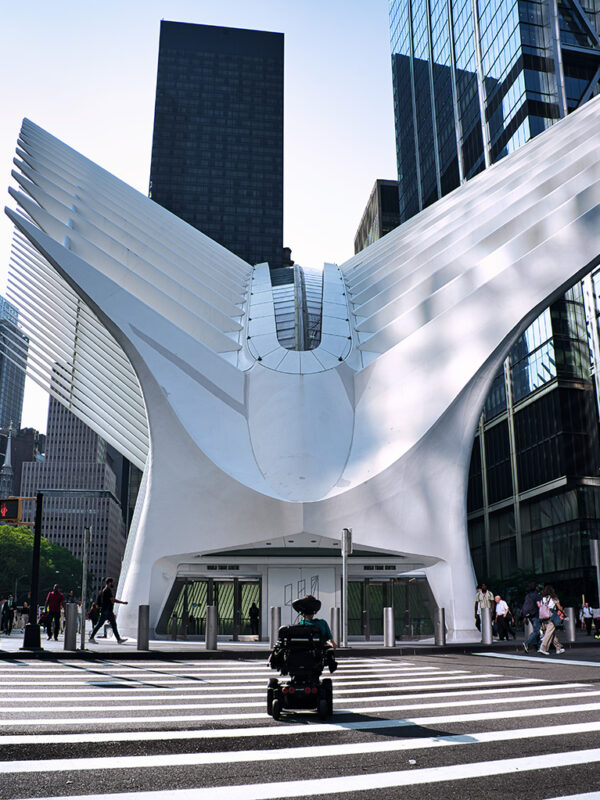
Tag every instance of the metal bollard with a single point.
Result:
(570, 624)
(486, 625)
(143, 633)
(71, 626)
(439, 626)
(335, 623)
(364, 625)
(389, 634)
(275, 625)
(211, 627)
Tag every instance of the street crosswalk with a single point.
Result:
(164, 730)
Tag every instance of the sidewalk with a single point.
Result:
(108, 649)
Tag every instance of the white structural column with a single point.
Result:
(257, 446)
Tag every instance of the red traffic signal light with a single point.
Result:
(10, 509)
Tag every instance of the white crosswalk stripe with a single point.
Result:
(69, 723)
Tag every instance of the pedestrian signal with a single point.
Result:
(11, 509)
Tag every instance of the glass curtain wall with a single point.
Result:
(470, 88)
(534, 478)
(474, 80)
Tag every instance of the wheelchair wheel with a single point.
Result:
(323, 709)
(276, 709)
(328, 686)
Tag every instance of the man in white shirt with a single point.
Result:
(501, 617)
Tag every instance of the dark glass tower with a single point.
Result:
(217, 150)
(14, 346)
(470, 88)
(473, 81)
(380, 216)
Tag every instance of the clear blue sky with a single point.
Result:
(87, 73)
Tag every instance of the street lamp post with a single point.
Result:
(595, 554)
(31, 636)
(346, 550)
(31, 639)
(87, 533)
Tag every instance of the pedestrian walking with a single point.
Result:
(501, 617)
(587, 617)
(8, 615)
(107, 613)
(531, 612)
(55, 601)
(551, 616)
(596, 613)
(25, 613)
(483, 599)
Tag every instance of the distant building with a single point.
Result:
(27, 445)
(129, 478)
(217, 149)
(13, 360)
(381, 215)
(76, 459)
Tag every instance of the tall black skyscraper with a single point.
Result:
(217, 151)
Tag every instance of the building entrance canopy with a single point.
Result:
(166, 344)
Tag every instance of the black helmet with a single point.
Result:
(306, 605)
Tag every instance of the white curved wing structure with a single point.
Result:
(165, 343)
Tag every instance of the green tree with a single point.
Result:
(57, 564)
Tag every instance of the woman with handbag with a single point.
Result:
(551, 617)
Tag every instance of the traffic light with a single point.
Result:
(11, 509)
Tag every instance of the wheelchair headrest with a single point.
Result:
(300, 633)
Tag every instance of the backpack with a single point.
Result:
(99, 598)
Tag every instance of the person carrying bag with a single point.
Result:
(552, 617)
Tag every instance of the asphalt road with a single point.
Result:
(447, 726)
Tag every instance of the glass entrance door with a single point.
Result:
(185, 611)
(410, 598)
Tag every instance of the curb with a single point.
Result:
(123, 654)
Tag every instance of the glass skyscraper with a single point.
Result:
(380, 216)
(476, 79)
(473, 81)
(217, 149)
(14, 346)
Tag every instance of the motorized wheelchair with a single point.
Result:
(301, 653)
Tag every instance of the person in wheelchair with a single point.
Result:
(302, 651)
(307, 607)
